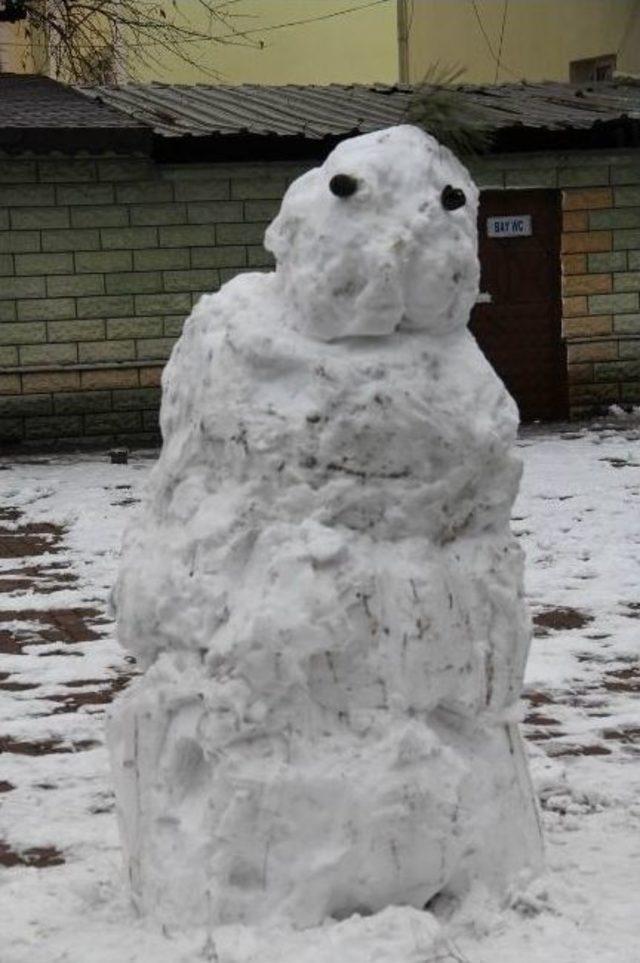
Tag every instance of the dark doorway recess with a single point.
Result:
(519, 329)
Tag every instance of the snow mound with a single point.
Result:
(322, 584)
(395, 934)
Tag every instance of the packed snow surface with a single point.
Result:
(322, 585)
(578, 520)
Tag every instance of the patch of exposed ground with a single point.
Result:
(623, 680)
(72, 701)
(8, 686)
(560, 618)
(43, 747)
(38, 857)
(628, 737)
(566, 749)
(593, 700)
(538, 719)
(44, 626)
(620, 462)
(33, 538)
(10, 514)
(58, 632)
(41, 579)
(538, 698)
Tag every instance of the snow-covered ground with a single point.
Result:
(61, 888)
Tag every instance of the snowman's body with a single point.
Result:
(322, 583)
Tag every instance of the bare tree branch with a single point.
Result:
(91, 41)
(105, 41)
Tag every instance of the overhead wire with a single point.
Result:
(482, 30)
(295, 23)
(504, 23)
(489, 44)
(224, 37)
(625, 32)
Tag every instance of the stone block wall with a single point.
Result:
(101, 260)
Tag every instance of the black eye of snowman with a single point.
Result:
(452, 198)
(343, 185)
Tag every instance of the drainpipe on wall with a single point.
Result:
(403, 41)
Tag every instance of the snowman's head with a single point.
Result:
(382, 236)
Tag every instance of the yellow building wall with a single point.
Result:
(359, 46)
(14, 50)
(20, 54)
(327, 41)
(358, 41)
(540, 37)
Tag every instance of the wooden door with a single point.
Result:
(519, 328)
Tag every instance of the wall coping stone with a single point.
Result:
(91, 366)
(611, 336)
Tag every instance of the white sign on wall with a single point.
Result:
(511, 225)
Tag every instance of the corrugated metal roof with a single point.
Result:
(312, 112)
(174, 110)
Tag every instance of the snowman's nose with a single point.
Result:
(343, 185)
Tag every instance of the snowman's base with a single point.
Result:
(398, 934)
(386, 811)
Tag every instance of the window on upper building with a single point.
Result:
(593, 69)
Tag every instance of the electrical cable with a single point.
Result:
(489, 44)
(625, 32)
(221, 38)
(504, 23)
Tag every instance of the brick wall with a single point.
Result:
(601, 291)
(101, 259)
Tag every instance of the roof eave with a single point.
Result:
(71, 140)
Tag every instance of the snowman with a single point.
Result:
(321, 587)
